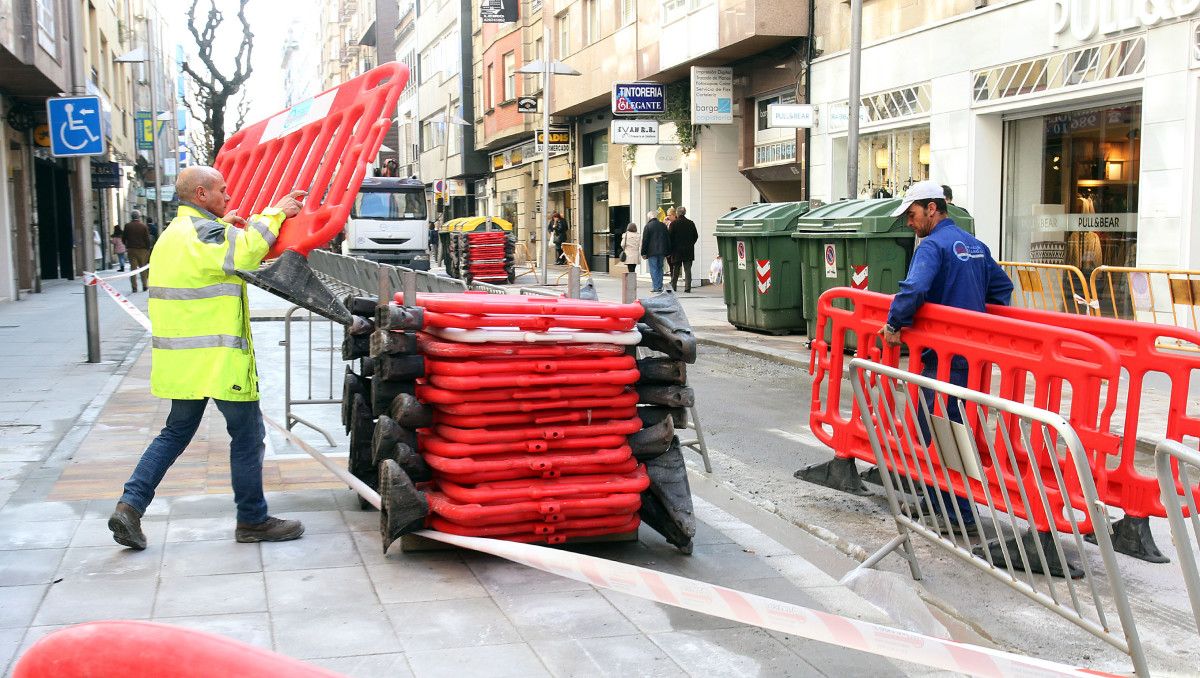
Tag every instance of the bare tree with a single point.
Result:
(211, 90)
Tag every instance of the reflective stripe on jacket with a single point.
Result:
(199, 311)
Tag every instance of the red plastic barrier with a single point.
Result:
(539, 532)
(1053, 356)
(439, 396)
(487, 236)
(475, 303)
(546, 511)
(432, 346)
(440, 446)
(625, 400)
(464, 368)
(548, 465)
(322, 145)
(550, 488)
(505, 434)
(526, 473)
(614, 377)
(562, 416)
(119, 649)
(1137, 345)
(534, 323)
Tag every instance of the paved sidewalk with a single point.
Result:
(332, 597)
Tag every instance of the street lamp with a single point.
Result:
(447, 119)
(135, 56)
(546, 68)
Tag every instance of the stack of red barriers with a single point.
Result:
(486, 256)
(533, 401)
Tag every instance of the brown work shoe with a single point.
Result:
(271, 529)
(126, 525)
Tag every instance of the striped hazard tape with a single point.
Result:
(90, 278)
(746, 608)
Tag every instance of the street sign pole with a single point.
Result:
(543, 235)
(154, 127)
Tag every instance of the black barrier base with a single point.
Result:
(291, 278)
(872, 476)
(1028, 540)
(837, 473)
(402, 507)
(667, 503)
(1132, 537)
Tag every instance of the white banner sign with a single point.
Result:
(633, 131)
(790, 115)
(712, 95)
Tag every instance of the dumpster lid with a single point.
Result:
(771, 217)
(868, 216)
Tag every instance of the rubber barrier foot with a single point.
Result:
(291, 278)
(402, 507)
(837, 473)
(366, 367)
(872, 476)
(667, 503)
(662, 371)
(670, 332)
(397, 317)
(652, 441)
(384, 342)
(413, 464)
(362, 430)
(383, 392)
(352, 385)
(387, 435)
(410, 412)
(1029, 540)
(652, 414)
(356, 346)
(1132, 537)
(361, 306)
(667, 396)
(400, 367)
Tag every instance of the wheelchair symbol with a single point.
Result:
(76, 125)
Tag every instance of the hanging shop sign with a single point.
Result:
(106, 174)
(639, 98)
(527, 105)
(497, 11)
(633, 131)
(712, 95)
(560, 140)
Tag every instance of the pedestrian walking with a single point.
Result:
(117, 242)
(202, 349)
(683, 249)
(656, 244)
(557, 229)
(670, 217)
(138, 244)
(631, 247)
(950, 267)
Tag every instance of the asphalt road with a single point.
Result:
(754, 415)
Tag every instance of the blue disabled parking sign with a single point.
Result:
(75, 126)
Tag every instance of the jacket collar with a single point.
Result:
(203, 212)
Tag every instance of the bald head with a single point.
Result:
(202, 186)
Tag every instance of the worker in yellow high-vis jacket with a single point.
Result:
(200, 320)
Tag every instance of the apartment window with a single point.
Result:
(535, 81)
(489, 87)
(433, 132)
(591, 21)
(47, 32)
(563, 23)
(628, 12)
(429, 63)
(510, 76)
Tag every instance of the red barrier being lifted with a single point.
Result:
(323, 145)
(533, 323)
(1053, 358)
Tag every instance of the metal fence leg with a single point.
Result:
(628, 287)
(573, 282)
(697, 444)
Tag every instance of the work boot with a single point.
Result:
(271, 529)
(126, 525)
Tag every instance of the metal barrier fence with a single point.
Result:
(315, 392)
(1153, 295)
(1048, 287)
(1181, 504)
(920, 445)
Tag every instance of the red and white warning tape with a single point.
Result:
(90, 278)
(746, 608)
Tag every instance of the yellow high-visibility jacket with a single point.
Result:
(199, 312)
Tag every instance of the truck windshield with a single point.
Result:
(392, 206)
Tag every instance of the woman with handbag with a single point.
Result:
(631, 246)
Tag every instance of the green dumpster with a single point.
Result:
(856, 243)
(762, 266)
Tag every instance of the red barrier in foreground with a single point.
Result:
(120, 649)
(1048, 358)
(322, 145)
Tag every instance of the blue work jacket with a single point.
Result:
(950, 267)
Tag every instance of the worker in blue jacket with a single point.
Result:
(949, 267)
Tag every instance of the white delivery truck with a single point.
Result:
(389, 223)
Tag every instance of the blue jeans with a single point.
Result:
(244, 422)
(656, 273)
(958, 377)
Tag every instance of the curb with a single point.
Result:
(771, 355)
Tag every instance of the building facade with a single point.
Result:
(1072, 141)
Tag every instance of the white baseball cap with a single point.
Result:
(922, 190)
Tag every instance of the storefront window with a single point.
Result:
(890, 162)
(664, 191)
(1071, 189)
